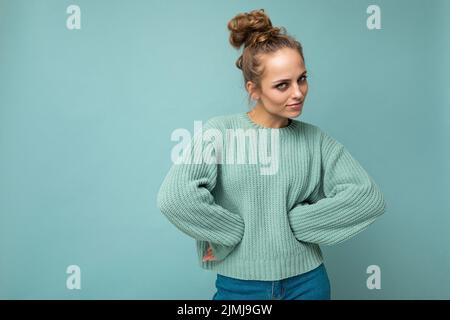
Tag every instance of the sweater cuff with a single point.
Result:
(220, 252)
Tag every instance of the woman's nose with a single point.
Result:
(297, 93)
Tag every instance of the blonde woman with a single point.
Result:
(261, 230)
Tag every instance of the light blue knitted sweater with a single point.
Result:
(266, 219)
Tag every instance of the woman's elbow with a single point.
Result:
(379, 201)
(166, 203)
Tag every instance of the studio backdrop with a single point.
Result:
(91, 92)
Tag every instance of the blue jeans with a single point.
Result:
(312, 285)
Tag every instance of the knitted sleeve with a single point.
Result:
(185, 199)
(344, 203)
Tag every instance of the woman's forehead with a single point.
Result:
(284, 67)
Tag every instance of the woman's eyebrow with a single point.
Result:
(304, 72)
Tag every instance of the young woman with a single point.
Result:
(260, 225)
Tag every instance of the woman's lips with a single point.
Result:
(296, 106)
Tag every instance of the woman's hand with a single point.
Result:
(209, 254)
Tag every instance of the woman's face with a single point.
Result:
(283, 84)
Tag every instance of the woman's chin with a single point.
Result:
(294, 114)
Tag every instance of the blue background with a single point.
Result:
(86, 117)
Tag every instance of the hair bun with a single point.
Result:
(262, 36)
(249, 28)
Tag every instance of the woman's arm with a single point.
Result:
(348, 199)
(185, 199)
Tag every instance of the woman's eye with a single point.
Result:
(282, 85)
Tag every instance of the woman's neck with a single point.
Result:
(260, 116)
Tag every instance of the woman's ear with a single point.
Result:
(251, 89)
